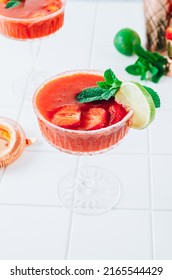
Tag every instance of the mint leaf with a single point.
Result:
(109, 76)
(160, 58)
(95, 94)
(154, 96)
(134, 69)
(153, 69)
(90, 94)
(105, 90)
(152, 65)
(103, 85)
(12, 4)
(117, 83)
(143, 74)
(109, 93)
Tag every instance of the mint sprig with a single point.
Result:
(13, 3)
(108, 88)
(155, 96)
(90, 94)
(104, 90)
(149, 66)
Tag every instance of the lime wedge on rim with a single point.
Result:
(134, 96)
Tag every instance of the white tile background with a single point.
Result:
(33, 222)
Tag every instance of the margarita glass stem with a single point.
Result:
(35, 46)
(26, 85)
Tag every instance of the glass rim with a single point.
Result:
(42, 18)
(90, 132)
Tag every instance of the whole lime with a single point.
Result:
(125, 40)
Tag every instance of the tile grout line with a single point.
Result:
(6, 204)
(93, 35)
(151, 195)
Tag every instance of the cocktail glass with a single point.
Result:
(90, 189)
(33, 30)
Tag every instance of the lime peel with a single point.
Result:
(125, 40)
(135, 96)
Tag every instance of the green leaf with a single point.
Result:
(117, 83)
(153, 69)
(12, 4)
(105, 90)
(158, 76)
(103, 85)
(160, 58)
(154, 96)
(109, 76)
(152, 65)
(90, 94)
(134, 69)
(109, 93)
(144, 74)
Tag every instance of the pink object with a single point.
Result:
(12, 141)
(24, 22)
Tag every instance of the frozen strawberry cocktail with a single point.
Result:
(87, 112)
(28, 19)
(79, 127)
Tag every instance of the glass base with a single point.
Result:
(90, 191)
(26, 85)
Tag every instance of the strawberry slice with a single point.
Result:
(52, 8)
(67, 116)
(168, 33)
(117, 113)
(94, 118)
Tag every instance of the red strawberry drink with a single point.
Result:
(76, 127)
(29, 19)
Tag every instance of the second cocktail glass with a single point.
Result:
(31, 21)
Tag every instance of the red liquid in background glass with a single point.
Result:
(29, 19)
